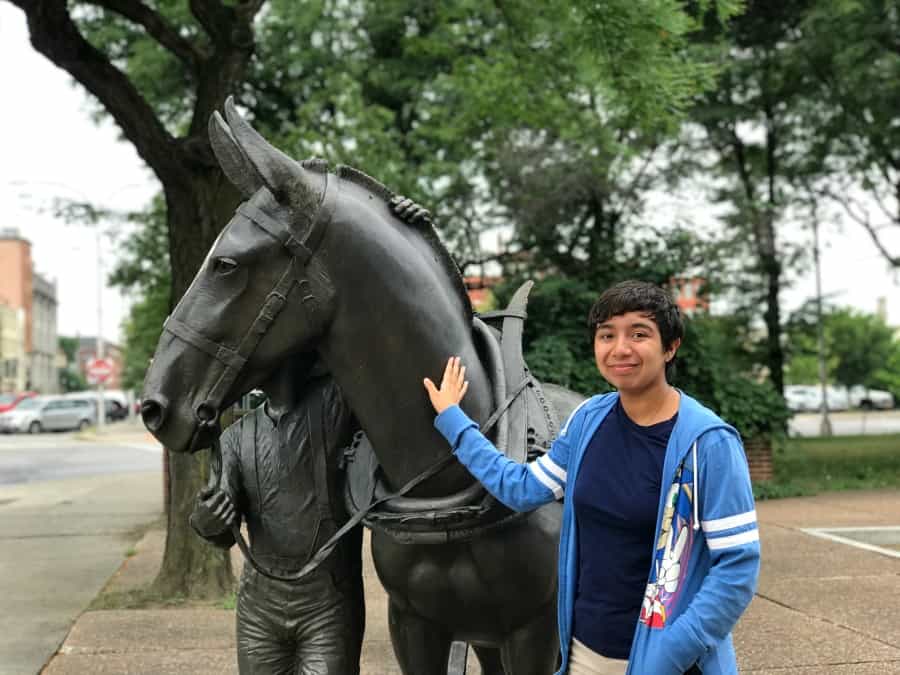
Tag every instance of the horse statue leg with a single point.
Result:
(421, 647)
(533, 649)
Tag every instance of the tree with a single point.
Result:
(569, 168)
(888, 375)
(853, 53)
(754, 137)
(70, 378)
(717, 369)
(143, 269)
(861, 344)
(860, 348)
(412, 83)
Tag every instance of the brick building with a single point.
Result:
(42, 358)
(480, 293)
(33, 299)
(13, 361)
(690, 294)
(15, 276)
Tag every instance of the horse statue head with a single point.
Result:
(314, 261)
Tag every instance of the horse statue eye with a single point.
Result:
(224, 265)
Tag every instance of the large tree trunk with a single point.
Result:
(191, 567)
(772, 317)
(198, 206)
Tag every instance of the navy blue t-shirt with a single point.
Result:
(616, 499)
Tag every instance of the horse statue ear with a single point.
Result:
(234, 162)
(277, 171)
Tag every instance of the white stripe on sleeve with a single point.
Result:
(718, 543)
(565, 428)
(731, 521)
(546, 480)
(552, 467)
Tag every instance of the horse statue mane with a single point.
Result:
(421, 222)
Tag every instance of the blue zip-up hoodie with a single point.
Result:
(705, 560)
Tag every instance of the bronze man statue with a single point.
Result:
(280, 472)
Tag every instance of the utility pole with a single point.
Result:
(101, 404)
(825, 425)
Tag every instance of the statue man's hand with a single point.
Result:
(453, 386)
(214, 513)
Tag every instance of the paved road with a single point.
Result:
(51, 456)
(848, 423)
(68, 512)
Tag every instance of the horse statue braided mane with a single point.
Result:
(424, 225)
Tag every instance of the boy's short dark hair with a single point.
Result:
(644, 297)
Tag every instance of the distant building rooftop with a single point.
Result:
(11, 233)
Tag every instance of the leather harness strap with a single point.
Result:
(219, 352)
(276, 230)
(301, 252)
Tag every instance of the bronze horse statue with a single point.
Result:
(333, 262)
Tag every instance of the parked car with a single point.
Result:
(115, 411)
(116, 408)
(10, 401)
(801, 398)
(869, 399)
(48, 413)
(808, 398)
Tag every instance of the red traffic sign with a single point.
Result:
(98, 370)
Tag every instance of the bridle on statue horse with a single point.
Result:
(207, 412)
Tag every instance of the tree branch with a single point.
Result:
(218, 19)
(231, 30)
(863, 220)
(213, 16)
(501, 258)
(55, 35)
(157, 28)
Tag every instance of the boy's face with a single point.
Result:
(629, 352)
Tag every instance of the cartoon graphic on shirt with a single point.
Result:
(673, 550)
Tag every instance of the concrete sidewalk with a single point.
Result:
(823, 606)
(127, 431)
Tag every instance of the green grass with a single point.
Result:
(807, 466)
(134, 598)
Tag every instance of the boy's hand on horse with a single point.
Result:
(453, 386)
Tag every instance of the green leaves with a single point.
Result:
(860, 349)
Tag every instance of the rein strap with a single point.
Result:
(323, 553)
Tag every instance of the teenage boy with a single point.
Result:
(659, 547)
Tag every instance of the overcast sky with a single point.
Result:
(51, 148)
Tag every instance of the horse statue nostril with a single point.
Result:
(153, 412)
(207, 414)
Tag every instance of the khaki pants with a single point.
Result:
(585, 661)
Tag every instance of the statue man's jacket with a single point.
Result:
(705, 561)
(283, 476)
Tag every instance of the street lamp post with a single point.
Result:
(825, 425)
(101, 405)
